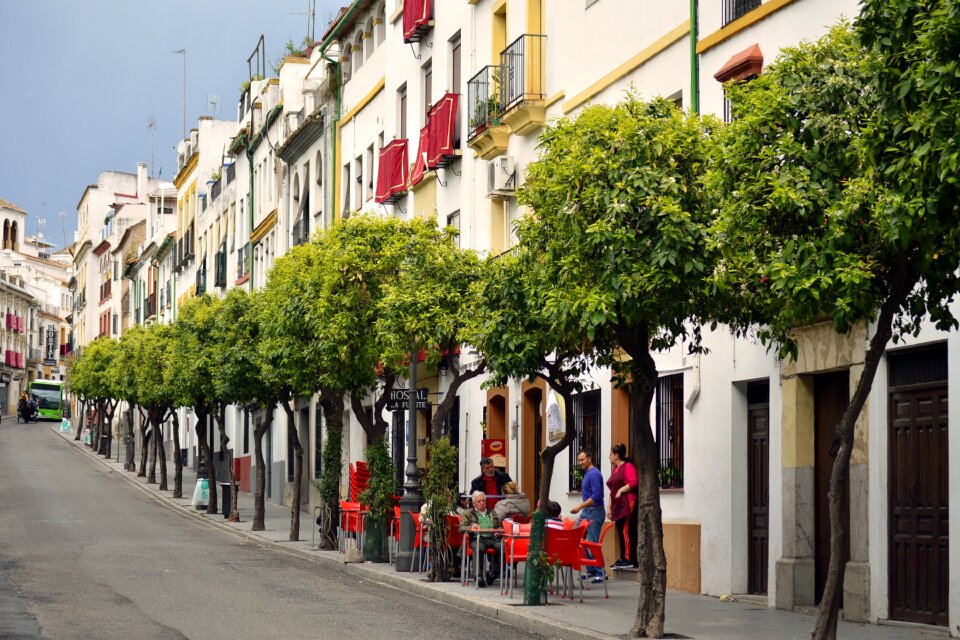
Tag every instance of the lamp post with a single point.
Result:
(412, 499)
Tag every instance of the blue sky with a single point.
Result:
(81, 80)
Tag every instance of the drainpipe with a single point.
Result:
(694, 59)
(249, 154)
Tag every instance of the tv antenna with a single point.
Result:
(41, 225)
(213, 104)
(311, 15)
(152, 128)
(63, 227)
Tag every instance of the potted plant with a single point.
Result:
(378, 499)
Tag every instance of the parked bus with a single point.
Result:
(49, 395)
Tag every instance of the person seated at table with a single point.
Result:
(490, 481)
(553, 513)
(480, 518)
(513, 503)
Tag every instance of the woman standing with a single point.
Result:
(623, 500)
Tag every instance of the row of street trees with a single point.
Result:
(831, 195)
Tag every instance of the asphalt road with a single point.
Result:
(85, 555)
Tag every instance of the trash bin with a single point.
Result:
(225, 498)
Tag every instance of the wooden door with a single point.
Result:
(758, 487)
(919, 562)
(831, 395)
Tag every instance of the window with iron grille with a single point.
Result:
(451, 429)
(586, 421)
(318, 441)
(733, 9)
(670, 430)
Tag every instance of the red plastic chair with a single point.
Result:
(596, 548)
(420, 546)
(394, 533)
(563, 546)
(516, 544)
(351, 521)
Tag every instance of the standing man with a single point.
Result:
(591, 508)
(490, 481)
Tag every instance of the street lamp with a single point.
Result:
(412, 499)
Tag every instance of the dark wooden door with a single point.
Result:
(831, 394)
(537, 448)
(758, 487)
(919, 562)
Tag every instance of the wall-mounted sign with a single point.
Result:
(496, 450)
(555, 423)
(399, 399)
(50, 352)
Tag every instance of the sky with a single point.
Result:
(82, 81)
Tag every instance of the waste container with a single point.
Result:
(225, 498)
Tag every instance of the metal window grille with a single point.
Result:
(670, 430)
(733, 9)
(586, 420)
(451, 429)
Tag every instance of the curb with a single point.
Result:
(513, 616)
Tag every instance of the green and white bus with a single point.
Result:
(49, 395)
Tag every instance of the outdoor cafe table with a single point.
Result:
(476, 550)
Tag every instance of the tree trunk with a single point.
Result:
(332, 404)
(442, 410)
(161, 452)
(201, 430)
(828, 610)
(294, 437)
(144, 447)
(259, 493)
(129, 464)
(533, 584)
(152, 473)
(177, 457)
(221, 419)
(111, 412)
(80, 420)
(652, 575)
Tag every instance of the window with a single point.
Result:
(586, 421)
(427, 89)
(453, 220)
(670, 430)
(455, 80)
(357, 51)
(369, 172)
(246, 431)
(358, 187)
(402, 111)
(727, 108)
(380, 25)
(346, 187)
(369, 43)
(318, 441)
(733, 9)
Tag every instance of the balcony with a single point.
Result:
(487, 134)
(202, 278)
(168, 298)
(231, 173)
(150, 307)
(522, 84)
(216, 189)
(301, 231)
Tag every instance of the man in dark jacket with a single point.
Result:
(490, 481)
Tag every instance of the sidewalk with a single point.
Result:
(688, 615)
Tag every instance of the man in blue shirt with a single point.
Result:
(591, 509)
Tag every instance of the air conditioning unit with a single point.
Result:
(502, 178)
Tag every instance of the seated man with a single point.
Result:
(482, 518)
(490, 481)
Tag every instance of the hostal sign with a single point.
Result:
(50, 351)
(399, 399)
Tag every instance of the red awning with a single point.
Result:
(745, 64)
(441, 123)
(392, 176)
(420, 166)
(416, 19)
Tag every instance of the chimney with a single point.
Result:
(141, 182)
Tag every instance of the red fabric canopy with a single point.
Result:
(441, 123)
(416, 18)
(420, 166)
(392, 176)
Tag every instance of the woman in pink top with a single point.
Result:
(623, 500)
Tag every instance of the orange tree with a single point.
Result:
(619, 223)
